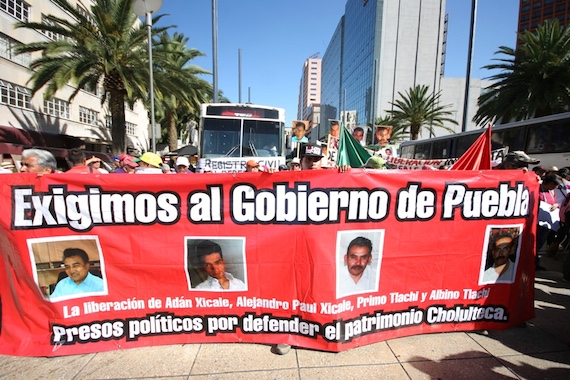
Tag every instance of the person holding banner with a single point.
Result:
(38, 161)
(210, 257)
(79, 279)
(359, 276)
(310, 156)
(503, 268)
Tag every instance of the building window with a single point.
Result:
(58, 108)
(16, 8)
(131, 128)
(83, 12)
(48, 33)
(7, 46)
(15, 95)
(88, 116)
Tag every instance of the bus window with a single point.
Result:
(441, 149)
(221, 138)
(548, 138)
(261, 138)
(463, 143)
(407, 151)
(423, 151)
(511, 138)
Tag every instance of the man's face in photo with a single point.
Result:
(383, 135)
(357, 259)
(76, 269)
(502, 250)
(359, 135)
(214, 265)
(299, 131)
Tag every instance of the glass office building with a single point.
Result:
(380, 48)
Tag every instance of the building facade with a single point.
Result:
(379, 49)
(83, 118)
(533, 13)
(309, 87)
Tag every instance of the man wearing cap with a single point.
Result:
(503, 268)
(252, 166)
(149, 163)
(517, 160)
(125, 164)
(295, 164)
(310, 157)
(182, 165)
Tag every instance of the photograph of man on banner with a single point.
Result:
(501, 254)
(68, 267)
(359, 255)
(216, 263)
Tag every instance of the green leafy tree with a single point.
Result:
(419, 108)
(180, 106)
(533, 81)
(103, 45)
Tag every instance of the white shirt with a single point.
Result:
(491, 275)
(213, 284)
(368, 281)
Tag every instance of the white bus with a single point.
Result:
(231, 134)
(545, 138)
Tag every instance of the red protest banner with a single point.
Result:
(322, 260)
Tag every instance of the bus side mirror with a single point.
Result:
(288, 142)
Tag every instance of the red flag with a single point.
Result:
(478, 156)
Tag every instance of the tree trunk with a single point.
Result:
(118, 129)
(172, 132)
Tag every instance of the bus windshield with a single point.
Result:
(224, 138)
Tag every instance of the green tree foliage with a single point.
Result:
(176, 110)
(419, 108)
(533, 81)
(102, 46)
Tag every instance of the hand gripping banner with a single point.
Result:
(321, 260)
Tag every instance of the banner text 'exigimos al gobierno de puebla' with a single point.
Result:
(322, 260)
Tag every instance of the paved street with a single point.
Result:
(541, 350)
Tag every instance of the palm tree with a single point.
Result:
(103, 46)
(419, 108)
(177, 108)
(533, 81)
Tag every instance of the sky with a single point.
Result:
(276, 37)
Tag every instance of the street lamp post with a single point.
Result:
(215, 49)
(146, 8)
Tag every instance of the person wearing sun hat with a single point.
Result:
(149, 163)
(182, 165)
(252, 166)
